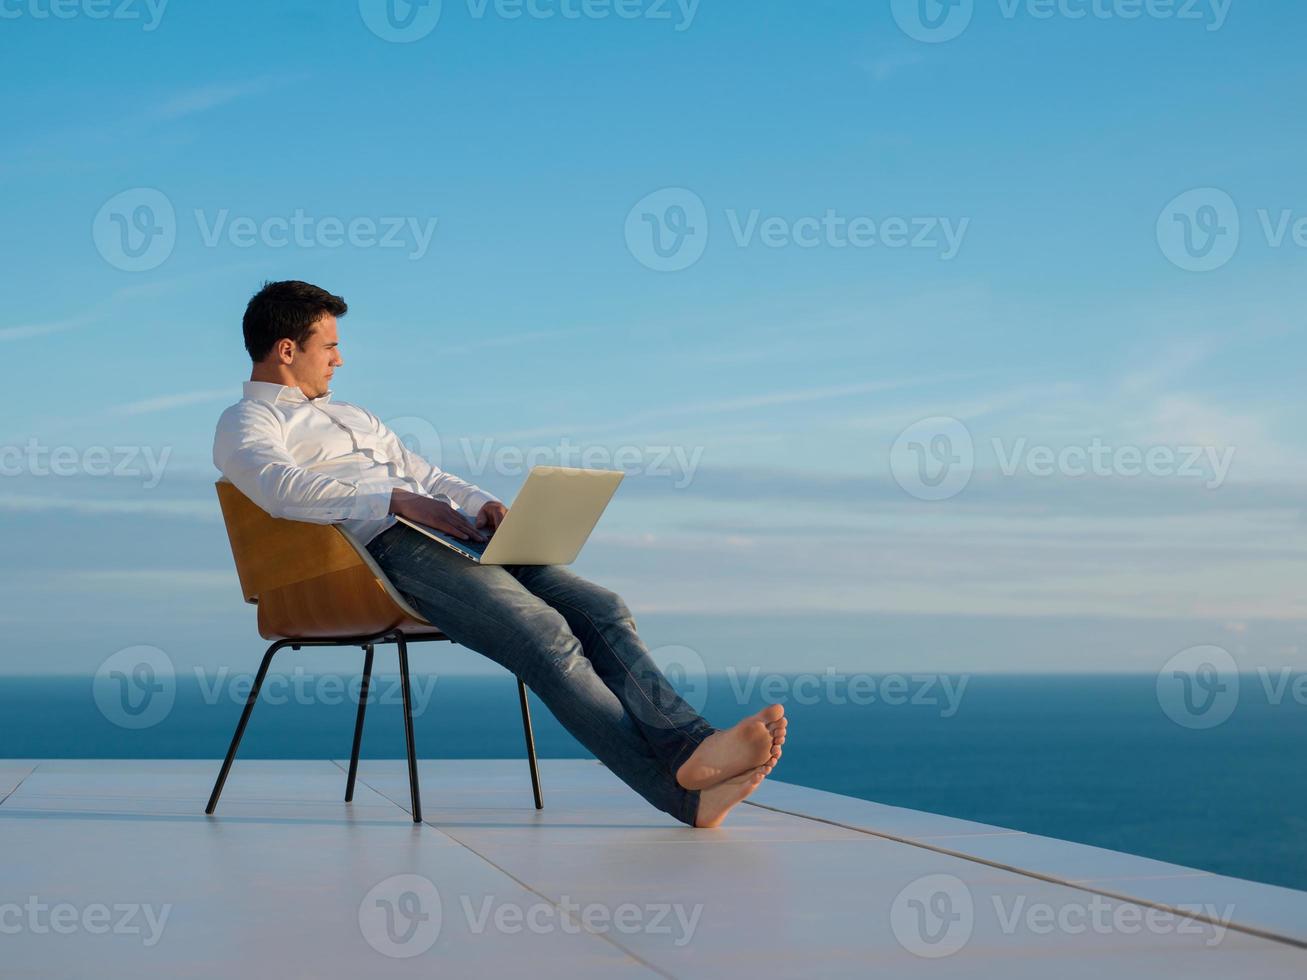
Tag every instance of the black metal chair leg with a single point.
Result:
(358, 724)
(530, 745)
(240, 726)
(408, 729)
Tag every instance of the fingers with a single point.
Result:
(464, 531)
(444, 518)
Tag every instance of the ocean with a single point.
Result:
(1088, 758)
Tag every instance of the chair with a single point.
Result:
(316, 586)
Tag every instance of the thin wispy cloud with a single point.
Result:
(215, 95)
(886, 66)
(511, 340)
(144, 505)
(744, 403)
(103, 132)
(25, 330)
(164, 403)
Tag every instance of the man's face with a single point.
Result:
(314, 365)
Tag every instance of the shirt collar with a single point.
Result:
(267, 391)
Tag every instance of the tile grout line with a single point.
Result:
(17, 786)
(1052, 879)
(534, 891)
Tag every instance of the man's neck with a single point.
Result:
(273, 374)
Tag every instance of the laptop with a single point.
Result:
(550, 519)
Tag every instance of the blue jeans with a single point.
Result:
(572, 642)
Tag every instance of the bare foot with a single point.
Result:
(718, 801)
(777, 729)
(735, 750)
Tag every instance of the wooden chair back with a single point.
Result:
(310, 581)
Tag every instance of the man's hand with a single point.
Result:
(491, 516)
(434, 514)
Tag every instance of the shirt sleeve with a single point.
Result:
(250, 450)
(469, 497)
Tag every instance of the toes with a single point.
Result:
(773, 712)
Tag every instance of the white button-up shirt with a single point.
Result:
(325, 462)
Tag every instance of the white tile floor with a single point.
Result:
(110, 868)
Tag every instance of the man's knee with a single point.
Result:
(612, 608)
(549, 647)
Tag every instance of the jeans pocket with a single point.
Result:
(379, 547)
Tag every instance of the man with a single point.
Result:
(300, 455)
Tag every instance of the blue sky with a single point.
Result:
(772, 397)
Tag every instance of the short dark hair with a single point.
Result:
(286, 309)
